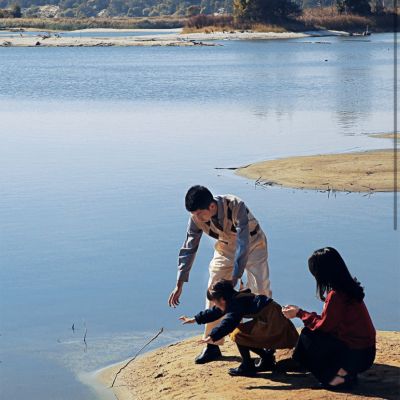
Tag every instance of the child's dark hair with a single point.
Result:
(331, 273)
(223, 289)
(198, 198)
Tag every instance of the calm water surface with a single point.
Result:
(99, 146)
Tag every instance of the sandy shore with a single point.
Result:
(165, 39)
(120, 41)
(169, 373)
(111, 30)
(369, 171)
(385, 135)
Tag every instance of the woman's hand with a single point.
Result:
(290, 311)
(187, 320)
(206, 340)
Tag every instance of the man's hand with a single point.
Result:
(206, 340)
(290, 311)
(187, 320)
(173, 300)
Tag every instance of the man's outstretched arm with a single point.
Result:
(186, 258)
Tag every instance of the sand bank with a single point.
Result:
(385, 135)
(369, 171)
(169, 373)
(166, 39)
(136, 30)
(62, 41)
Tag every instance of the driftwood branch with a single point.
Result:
(134, 357)
(84, 337)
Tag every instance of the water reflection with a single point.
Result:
(99, 147)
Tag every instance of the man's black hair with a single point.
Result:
(198, 198)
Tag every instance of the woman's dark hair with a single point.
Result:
(223, 289)
(331, 273)
(198, 198)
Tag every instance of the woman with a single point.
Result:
(340, 343)
(268, 329)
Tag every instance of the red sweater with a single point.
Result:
(348, 321)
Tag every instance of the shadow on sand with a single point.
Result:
(381, 381)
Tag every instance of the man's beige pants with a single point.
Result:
(257, 271)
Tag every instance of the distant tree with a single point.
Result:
(315, 3)
(378, 6)
(193, 10)
(265, 10)
(16, 11)
(117, 7)
(68, 13)
(341, 6)
(135, 12)
(357, 6)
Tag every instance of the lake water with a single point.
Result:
(98, 147)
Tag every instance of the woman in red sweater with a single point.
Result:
(340, 343)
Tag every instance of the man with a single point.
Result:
(240, 245)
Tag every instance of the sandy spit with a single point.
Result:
(369, 171)
(96, 30)
(53, 41)
(175, 38)
(386, 135)
(169, 373)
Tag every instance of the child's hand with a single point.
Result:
(187, 320)
(206, 340)
(290, 311)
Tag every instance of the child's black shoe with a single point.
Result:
(210, 353)
(289, 365)
(243, 370)
(266, 363)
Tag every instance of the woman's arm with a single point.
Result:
(330, 318)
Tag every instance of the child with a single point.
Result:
(268, 329)
(340, 342)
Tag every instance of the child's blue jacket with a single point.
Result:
(240, 306)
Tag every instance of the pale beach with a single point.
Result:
(170, 373)
(54, 39)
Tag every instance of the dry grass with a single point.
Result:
(329, 18)
(208, 29)
(311, 19)
(69, 24)
(236, 28)
(268, 28)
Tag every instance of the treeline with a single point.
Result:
(249, 10)
(114, 8)
(307, 20)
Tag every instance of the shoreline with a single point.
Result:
(368, 171)
(385, 135)
(17, 39)
(169, 372)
